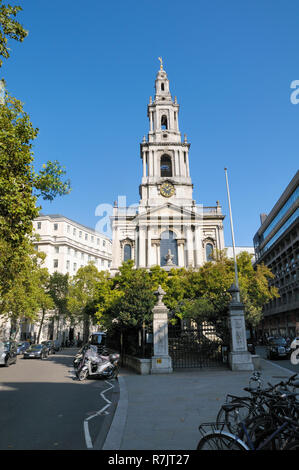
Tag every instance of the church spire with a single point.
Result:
(163, 111)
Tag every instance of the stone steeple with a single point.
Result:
(166, 174)
(163, 112)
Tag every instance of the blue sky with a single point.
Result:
(86, 72)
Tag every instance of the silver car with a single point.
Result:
(37, 351)
(8, 353)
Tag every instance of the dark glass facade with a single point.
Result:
(276, 245)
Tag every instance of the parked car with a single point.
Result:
(50, 345)
(39, 351)
(8, 352)
(278, 347)
(21, 347)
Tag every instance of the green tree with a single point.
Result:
(45, 300)
(20, 184)
(58, 289)
(82, 296)
(208, 294)
(26, 295)
(10, 28)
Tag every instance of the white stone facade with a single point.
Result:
(70, 245)
(167, 223)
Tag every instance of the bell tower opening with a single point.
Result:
(166, 166)
(164, 125)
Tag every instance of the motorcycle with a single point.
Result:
(78, 358)
(92, 364)
(80, 354)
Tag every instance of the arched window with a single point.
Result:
(168, 242)
(166, 166)
(164, 122)
(127, 252)
(162, 86)
(209, 252)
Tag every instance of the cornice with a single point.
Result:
(164, 144)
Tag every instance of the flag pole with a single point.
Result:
(233, 236)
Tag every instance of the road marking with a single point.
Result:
(101, 412)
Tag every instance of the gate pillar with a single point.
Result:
(239, 358)
(161, 361)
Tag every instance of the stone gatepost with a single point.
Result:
(161, 361)
(239, 358)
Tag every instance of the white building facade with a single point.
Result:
(69, 245)
(167, 228)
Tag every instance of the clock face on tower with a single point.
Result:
(167, 189)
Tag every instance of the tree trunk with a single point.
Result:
(40, 326)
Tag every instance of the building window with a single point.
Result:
(75, 266)
(39, 225)
(56, 249)
(168, 245)
(91, 238)
(80, 234)
(209, 252)
(166, 166)
(86, 236)
(162, 86)
(104, 243)
(68, 265)
(74, 231)
(55, 263)
(127, 252)
(68, 229)
(55, 226)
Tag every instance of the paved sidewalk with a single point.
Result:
(163, 412)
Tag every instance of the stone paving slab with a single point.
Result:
(164, 411)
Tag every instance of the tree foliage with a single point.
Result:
(10, 28)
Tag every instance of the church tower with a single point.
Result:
(166, 174)
(167, 228)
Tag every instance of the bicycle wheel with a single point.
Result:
(241, 411)
(259, 430)
(294, 445)
(221, 441)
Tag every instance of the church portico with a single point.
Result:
(167, 228)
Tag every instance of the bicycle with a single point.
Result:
(261, 401)
(218, 439)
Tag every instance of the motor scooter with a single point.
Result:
(99, 366)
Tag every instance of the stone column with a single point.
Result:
(239, 357)
(198, 246)
(142, 246)
(190, 252)
(176, 163)
(144, 163)
(161, 361)
(181, 256)
(155, 252)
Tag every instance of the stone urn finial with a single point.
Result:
(160, 294)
